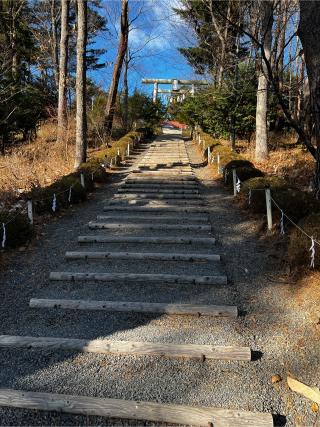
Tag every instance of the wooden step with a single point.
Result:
(140, 278)
(148, 240)
(161, 216)
(138, 307)
(136, 410)
(156, 190)
(163, 202)
(164, 174)
(153, 181)
(157, 195)
(148, 184)
(104, 346)
(158, 209)
(183, 227)
(155, 219)
(155, 256)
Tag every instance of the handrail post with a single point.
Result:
(269, 208)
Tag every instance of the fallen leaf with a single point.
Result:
(276, 379)
(314, 407)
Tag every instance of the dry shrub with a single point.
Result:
(294, 202)
(243, 173)
(18, 229)
(36, 164)
(257, 186)
(299, 245)
(119, 148)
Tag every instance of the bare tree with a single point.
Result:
(262, 91)
(122, 48)
(126, 90)
(54, 37)
(309, 33)
(63, 70)
(81, 114)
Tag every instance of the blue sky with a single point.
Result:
(155, 35)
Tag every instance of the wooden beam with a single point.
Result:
(157, 195)
(155, 256)
(156, 202)
(156, 190)
(104, 346)
(183, 227)
(187, 176)
(140, 278)
(158, 209)
(148, 240)
(138, 307)
(156, 181)
(156, 216)
(157, 186)
(136, 410)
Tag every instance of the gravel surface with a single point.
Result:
(272, 324)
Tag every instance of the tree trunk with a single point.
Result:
(262, 92)
(54, 35)
(125, 92)
(282, 23)
(122, 48)
(309, 33)
(63, 70)
(81, 114)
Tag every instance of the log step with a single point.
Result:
(149, 240)
(169, 182)
(147, 184)
(156, 195)
(156, 190)
(158, 202)
(184, 227)
(136, 410)
(140, 278)
(156, 256)
(139, 307)
(159, 209)
(155, 217)
(103, 346)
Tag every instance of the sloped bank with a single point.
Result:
(70, 189)
(300, 209)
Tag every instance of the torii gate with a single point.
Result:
(175, 85)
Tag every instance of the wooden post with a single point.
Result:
(269, 208)
(82, 180)
(234, 179)
(30, 211)
(128, 150)
(218, 163)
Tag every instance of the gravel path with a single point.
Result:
(272, 323)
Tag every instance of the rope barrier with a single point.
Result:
(54, 201)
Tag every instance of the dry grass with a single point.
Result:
(286, 160)
(36, 164)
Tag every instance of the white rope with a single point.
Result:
(249, 196)
(54, 203)
(70, 193)
(4, 235)
(313, 252)
(238, 185)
